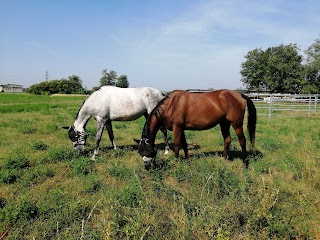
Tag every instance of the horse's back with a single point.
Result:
(122, 104)
(204, 110)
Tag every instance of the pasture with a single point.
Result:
(48, 191)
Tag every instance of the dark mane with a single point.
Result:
(156, 111)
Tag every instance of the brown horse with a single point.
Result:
(182, 110)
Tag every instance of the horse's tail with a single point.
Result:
(252, 119)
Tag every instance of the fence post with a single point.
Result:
(309, 106)
(270, 105)
(315, 103)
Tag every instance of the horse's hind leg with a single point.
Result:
(242, 141)
(165, 138)
(110, 133)
(176, 140)
(179, 138)
(225, 130)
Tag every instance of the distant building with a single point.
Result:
(13, 88)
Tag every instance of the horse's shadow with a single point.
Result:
(252, 155)
(132, 147)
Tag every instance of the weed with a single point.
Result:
(82, 166)
(25, 210)
(91, 183)
(17, 161)
(25, 129)
(8, 176)
(181, 173)
(120, 171)
(39, 145)
(130, 195)
(58, 154)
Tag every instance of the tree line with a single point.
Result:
(73, 84)
(279, 69)
(282, 69)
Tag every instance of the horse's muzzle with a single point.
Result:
(148, 161)
(78, 147)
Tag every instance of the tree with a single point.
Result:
(108, 78)
(75, 78)
(122, 81)
(103, 79)
(285, 69)
(312, 68)
(277, 69)
(253, 70)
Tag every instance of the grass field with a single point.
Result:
(47, 191)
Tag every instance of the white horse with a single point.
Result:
(109, 104)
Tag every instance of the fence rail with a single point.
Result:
(286, 104)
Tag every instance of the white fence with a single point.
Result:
(286, 104)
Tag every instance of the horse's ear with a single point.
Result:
(137, 140)
(66, 127)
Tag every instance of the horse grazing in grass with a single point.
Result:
(109, 104)
(182, 110)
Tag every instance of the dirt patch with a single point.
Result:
(67, 95)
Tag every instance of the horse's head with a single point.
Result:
(148, 152)
(78, 138)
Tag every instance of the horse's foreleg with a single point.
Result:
(98, 138)
(110, 133)
(165, 137)
(184, 145)
(225, 130)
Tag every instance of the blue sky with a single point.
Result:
(166, 44)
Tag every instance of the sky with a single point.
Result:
(165, 44)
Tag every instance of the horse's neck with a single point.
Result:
(151, 128)
(81, 120)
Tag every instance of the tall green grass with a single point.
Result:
(47, 191)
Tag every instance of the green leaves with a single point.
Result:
(111, 79)
(73, 85)
(277, 69)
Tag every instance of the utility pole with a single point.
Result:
(47, 76)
